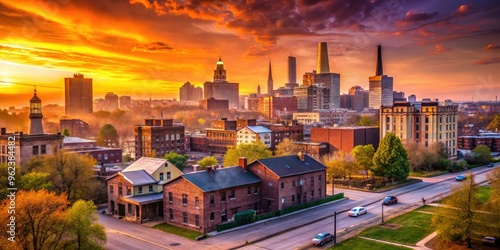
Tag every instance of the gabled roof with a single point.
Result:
(291, 165)
(150, 165)
(138, 177)
(221, 178)
(259, 129)
(144, 199)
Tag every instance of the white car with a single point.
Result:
(357, 211)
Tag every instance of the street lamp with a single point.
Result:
(382, 213)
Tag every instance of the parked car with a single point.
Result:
(490, 165)
(322, 238)
(389, 200)
(460, 177)
(490, 241)
(357, 211)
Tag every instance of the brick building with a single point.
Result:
(75, 127)
(161, 135)
(102, 155)
(136, 193)
(212, 104)
(200, 201)
(346, 138)
(273, 107)
(222, 134)
(290, 130)
(491, 140)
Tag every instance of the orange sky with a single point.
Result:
(142, 48)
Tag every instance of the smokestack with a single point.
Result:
(242, 162)
(380, 70)
(323, 64)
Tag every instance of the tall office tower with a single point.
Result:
(78, 95)
(220, 88)
(112, 100)
(292, 73)
(36, 127)
(159, 135)
(188, 92)
(314, 97)
(258, 89)
(125, 102)
(323, 64)
(270, 81)
(308, 78)
(332, 82)
(381, 93)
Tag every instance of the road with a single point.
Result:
(287, 232)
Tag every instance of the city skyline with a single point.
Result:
(151, 48)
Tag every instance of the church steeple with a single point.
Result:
(36, 116)
(220, 72)
(270, 81)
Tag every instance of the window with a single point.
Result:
(256, 190)
(223, 196)
(170, 214)
(168, 176)
(249, 190)
(129, 190)
(129, 208)
(35, 150)
(196, 201)
(184, 199)
(150, 188)
(197, 220)
(231, 194)
(120, 191)
(111, 189)
(269, 203)
(282, 185)
(185, 217)
(293, 197)
(212, 216)
(43, 148)
(140, 190)
(170, 197)
(312, 193)
(312, 181)
(211, 200)
(319, 192)
(161, 176)
(319, 178)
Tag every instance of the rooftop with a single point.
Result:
(144, 199)
(76, 140)
(291, 165)
(138, 177)
(221, 178)
(150, 165)
(259, 129)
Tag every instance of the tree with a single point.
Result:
(40, 220)
(252, 151)
(368, 120)
(390, 160)
(35, 181)
(339, 165)
(495, 123)
(482, 154)
(107, 136)
(177, 159)
(286, 147)
(455, 221)
(364, 156)
(83, 226)
(207, 161)
(65, 132)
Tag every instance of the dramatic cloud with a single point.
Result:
(438, 49)
(491, 46)
(489, 60)
(419, 17)
(152, 47)
(464, 10)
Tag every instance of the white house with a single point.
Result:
(252, 134)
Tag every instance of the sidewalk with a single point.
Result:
(419, 246)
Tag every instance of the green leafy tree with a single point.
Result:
(35, 181)
(65, 132)
(339, 165)
(82, 225)
(107, 136)
(364, 156)
(287, 147)
(492, 206)
(252, 151)
(207, 161)
(458, 219)
(177, 159)
(482, 154)
(368, 120)
(495, 123)
(390, 160)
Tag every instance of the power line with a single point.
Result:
(31, 84)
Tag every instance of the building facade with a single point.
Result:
(291, 130)
(78, 95)
(212, 104)
(102, 155)
(254, 134)
(470, 142)
(75, 127)
(190, 93)
(346, 138)
(273, 107)
(380, 86)
(159, 135)
(112, 101)
(222, 135)
(220, 88)
(312, 97)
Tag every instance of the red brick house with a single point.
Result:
(199, 201)
(289, 180)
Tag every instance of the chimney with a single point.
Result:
(242, 162)
(4, 131)
(380, 70)
(301, 156)
(209, 169)
(196, 167)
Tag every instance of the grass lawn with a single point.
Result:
(430, 209)
(483, 193)
(414, 227)
(177, 231)
(428, 174)
(358, 243)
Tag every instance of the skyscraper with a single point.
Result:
(381, 93)
(36, 127)
(112, 101)
(220, 88)
(292, 73)
(270, 81)
(189, 92)
(78, 95)
(323, 64)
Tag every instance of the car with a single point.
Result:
(490, 165)
(460, 177)
(357, 211)
(322, 238)
(389, 200)
(490, 241)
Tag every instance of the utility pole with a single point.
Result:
(382, 213)
(334, 227)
